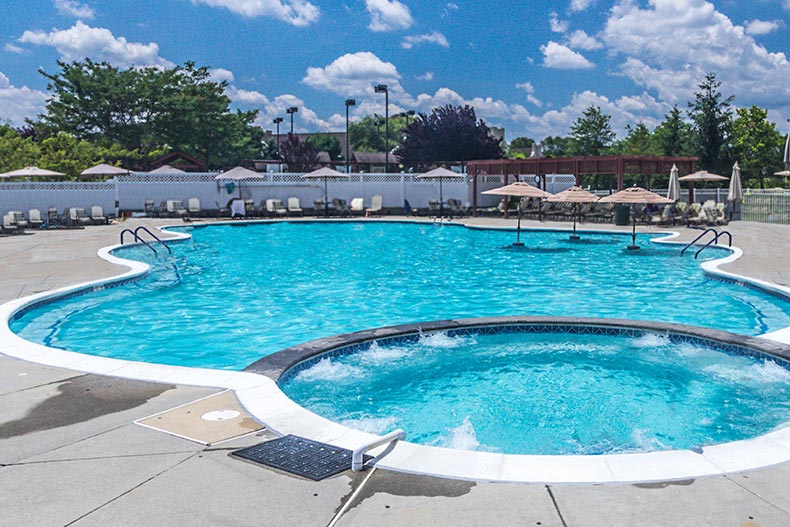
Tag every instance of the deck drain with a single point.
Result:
(220, 415)
(300, 456)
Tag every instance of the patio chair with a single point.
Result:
(275, 208)
(19, 218)
(341, 207)
(52, 217)
(149, 207)
(175, 208)
(376, 206)
(721, 214)
(294, 208)
(237, 208)
(34, 217)
(97, 215)
(433, 207)
(9, 227)
(252, 210)
(456, 207)
(193, 207)
(695, 215)
(319, 206)
(78, 217)
(357, 206)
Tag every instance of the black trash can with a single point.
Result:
(622, 213)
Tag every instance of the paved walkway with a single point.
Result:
(71, 455)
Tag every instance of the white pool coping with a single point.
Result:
(263, 399)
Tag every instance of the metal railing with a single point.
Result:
(138, 238)
(714, 240)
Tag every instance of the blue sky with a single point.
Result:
(530, 67)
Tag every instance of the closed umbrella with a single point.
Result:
(522, 190)
(674, 184)
(574, 195)
(701, 175)
(735, 193)
(440, 174)
(634, 195)
(786, 158)
(326, 174)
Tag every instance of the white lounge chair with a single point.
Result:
(275, 207)
(19, 218)
(193, 206)
(175, 208)
(237, 208)
(293, 207)
(34, 217)
(375, 206)
(97, 215)
(78, 217)
(9, 227)
(357, 206)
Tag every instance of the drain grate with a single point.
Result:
(300, 456)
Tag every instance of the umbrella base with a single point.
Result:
(633, 247)
(574, 237)
(518, 244)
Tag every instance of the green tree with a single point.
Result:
(756, 145)
(592, 132)
(300, 156)
(327, 143)
(557, 146)
(711, 116)
(673, 135)
(368, 134)
(522, 142)
(16, 151)
(638, 141)
(449, 133)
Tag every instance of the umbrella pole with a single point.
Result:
(326, 200)
(575, 211)
(518, 227)
(633, 246)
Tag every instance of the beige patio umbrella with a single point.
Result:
(237, 175)
(700, 175)
(104, 169)
(634, 195)
(164, 169)
(522, 190)
(326, 173)
(440, 174)
(32, 171)
(574, 195)
(735, 192)
(674, 184)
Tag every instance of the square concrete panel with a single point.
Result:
(208, 421)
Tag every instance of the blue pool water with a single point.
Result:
(550, 393)
(236, 293)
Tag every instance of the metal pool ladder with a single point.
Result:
(138, 238)
(714, 240)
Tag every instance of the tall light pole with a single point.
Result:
(382, 88)
(291, 111)
(349, 102)
(277, 121)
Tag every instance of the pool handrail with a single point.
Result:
(138, 239)
(358, 455)
(154, 236)
(716, 241)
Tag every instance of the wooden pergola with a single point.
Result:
(610, 166)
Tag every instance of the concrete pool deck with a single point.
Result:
(72, 456)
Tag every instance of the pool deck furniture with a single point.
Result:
(70, 453)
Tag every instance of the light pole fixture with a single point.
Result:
(291, 111)
(277, 121)
(349, 102)
(382, 88)
(409, 113)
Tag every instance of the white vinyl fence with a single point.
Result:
(60, 195)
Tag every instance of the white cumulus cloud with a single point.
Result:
(74, 8)
(388, 15)
(427, 76)
(527, 87)
(295, 12)
(562, 57)
(581, 40)
(221, 74)
(762, 27)
(17, 104)
(429, 38)
(580, 5)
(354, 74)
(99, 44)
(557, 25)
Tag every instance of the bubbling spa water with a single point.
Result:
(548, 393)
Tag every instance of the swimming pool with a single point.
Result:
(548, 389)
(235, 293)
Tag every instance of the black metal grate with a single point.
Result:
(300, 456)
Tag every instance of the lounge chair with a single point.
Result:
(237, 208)
(97, 215)
(34, 217)
(274, 207)
(78, 217)
(357, 206)
(456, 207)
(376, 206)
(433, 207)
(19, 218)
(695, 215)
(249, 207)
(9, 227)
(52, 217)
(721, 214)
(175, 208)
(294, 208)
(341, 207)
(149, 207)
(193, 207)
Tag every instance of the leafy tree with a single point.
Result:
(592, 132)
(449, 133)
(756, 145)
(557, 146)
(327, 143)
(673, 135)
(522, 142)
(16, 151)
(269, 150)
(638, 141)
(711, 117)
(300, 156)
(146, 109)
